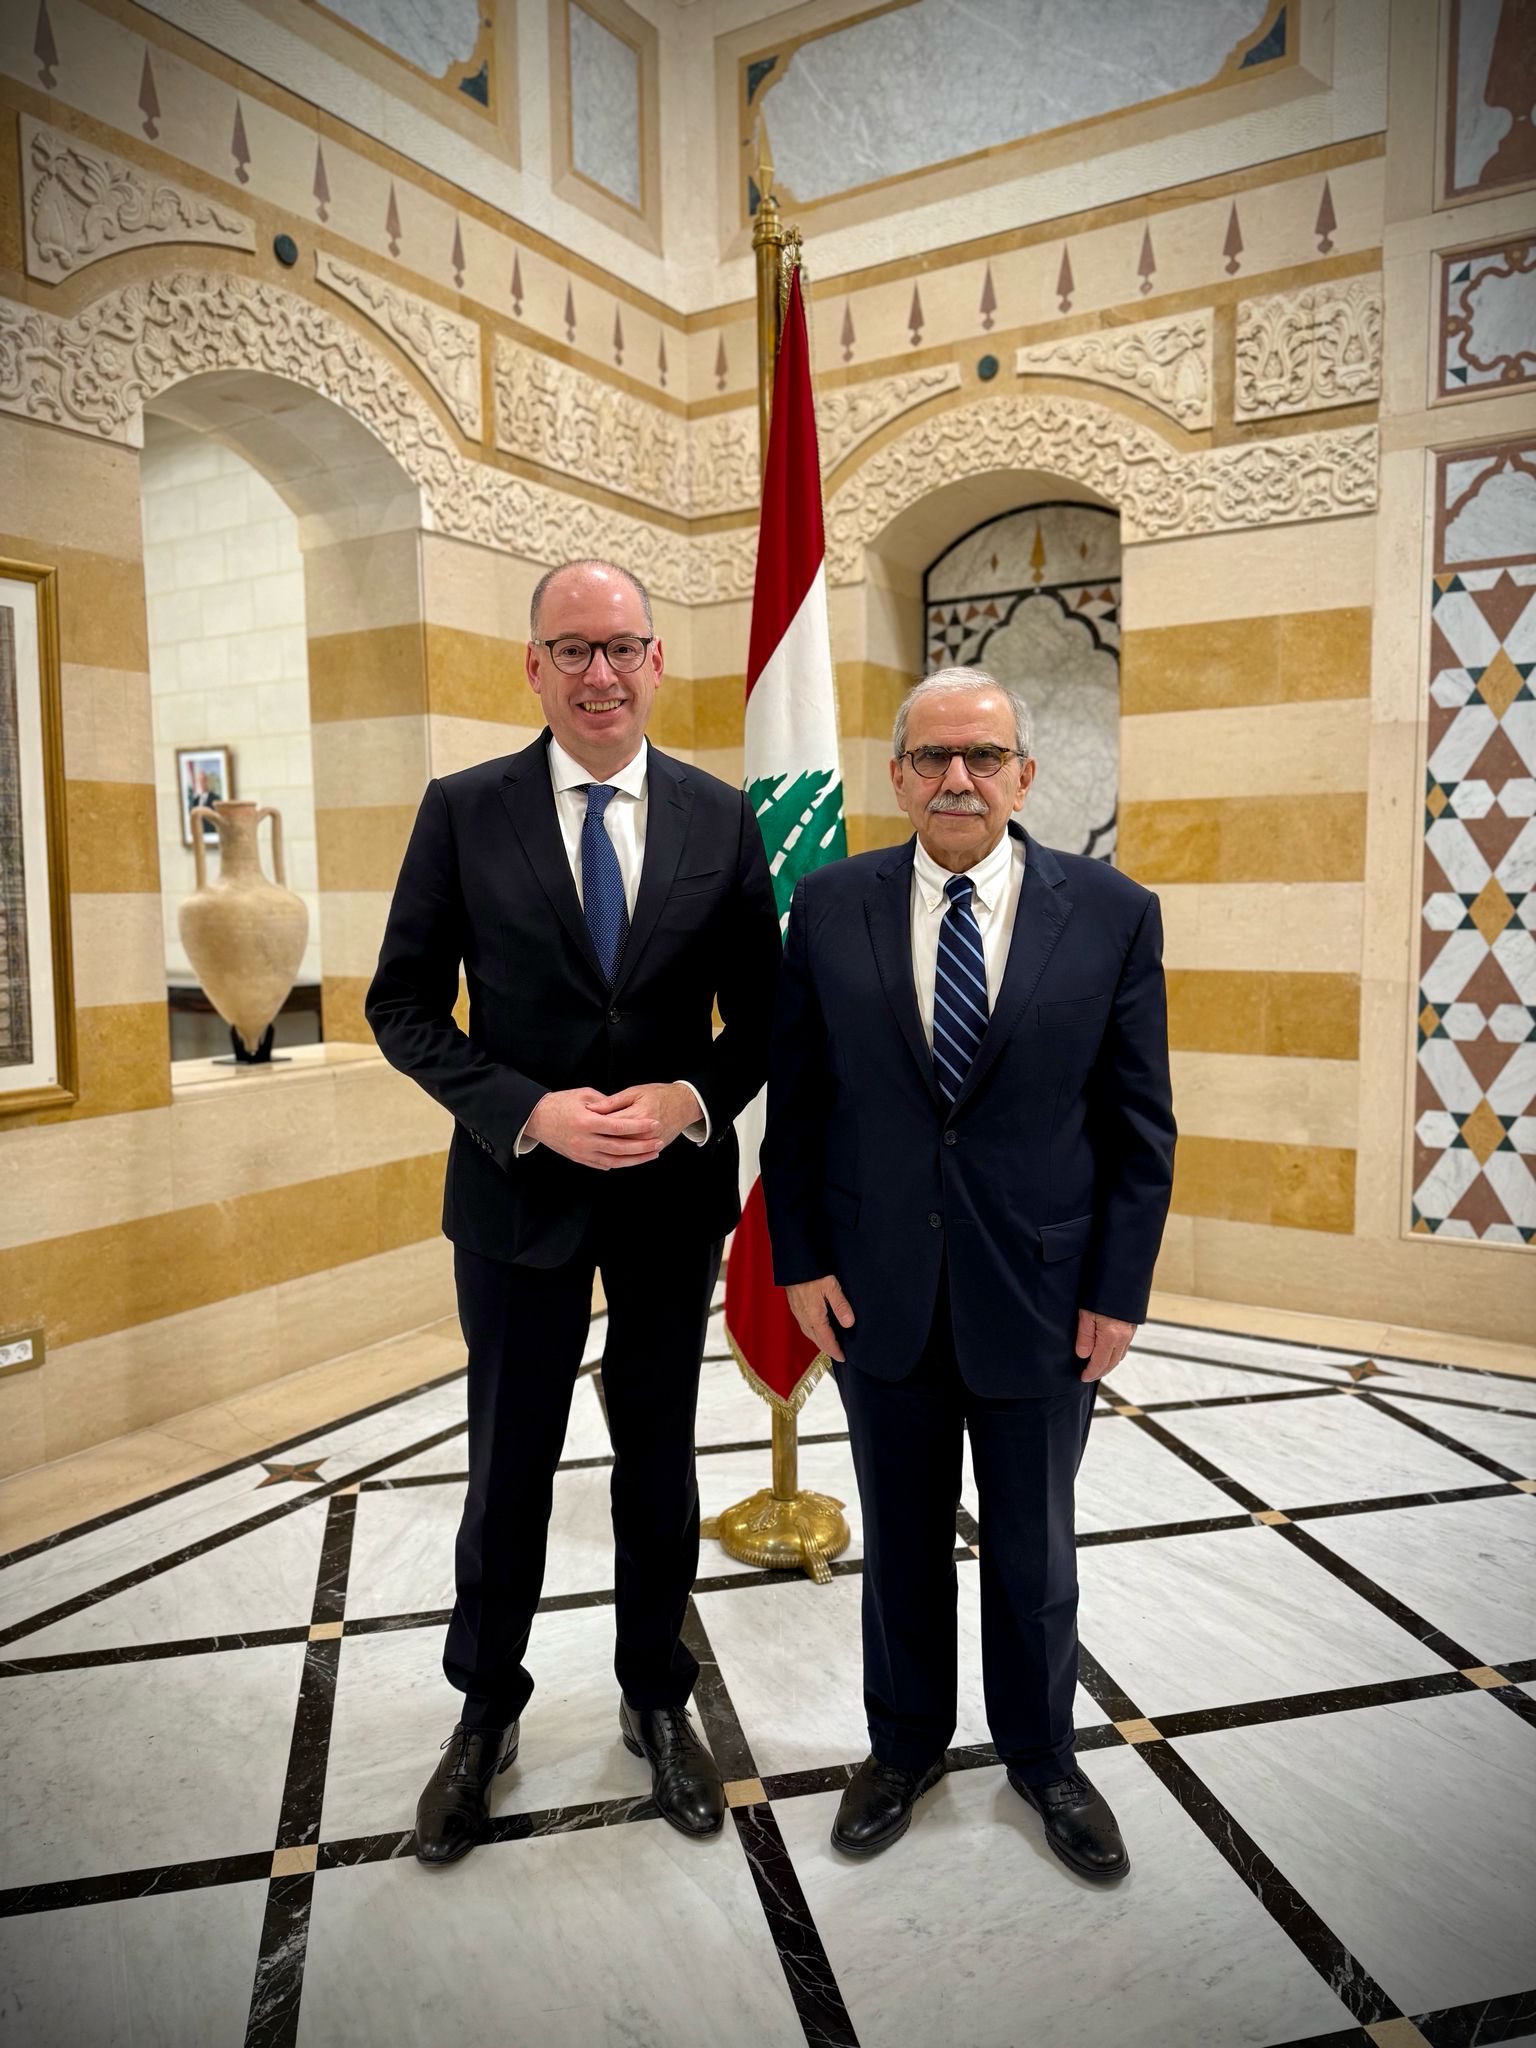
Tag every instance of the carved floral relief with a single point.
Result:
(81, 203)
(1303, 351)
(444, 347)
(1165, 362)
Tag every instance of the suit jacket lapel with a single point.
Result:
(669, 806)
(530, 800)
(888, 909)
(1043, 909)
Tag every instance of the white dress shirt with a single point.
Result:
(624, 822)
(994, 902)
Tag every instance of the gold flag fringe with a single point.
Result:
(804, 1387)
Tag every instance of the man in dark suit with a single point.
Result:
(967, 1170)
(602, 898)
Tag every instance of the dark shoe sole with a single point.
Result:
(873, 1848)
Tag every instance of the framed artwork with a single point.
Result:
(204, 776)
(37, 1013)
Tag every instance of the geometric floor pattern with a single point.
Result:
(1309, 1651)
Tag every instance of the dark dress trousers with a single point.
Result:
(486, 883)
(966, 1237)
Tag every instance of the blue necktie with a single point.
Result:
(959, 990)
(602, 886)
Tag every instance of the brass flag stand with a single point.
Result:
(779, 1527)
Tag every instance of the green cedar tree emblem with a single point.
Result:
(801, 820)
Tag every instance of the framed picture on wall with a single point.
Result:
(204, 775)
(37, 1011)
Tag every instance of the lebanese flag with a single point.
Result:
(796, 789)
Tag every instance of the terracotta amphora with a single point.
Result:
(244, 935)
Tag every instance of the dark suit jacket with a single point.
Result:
(486, 881)
(1045, 1186)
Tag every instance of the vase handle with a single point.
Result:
(200, 843)
(279, 869)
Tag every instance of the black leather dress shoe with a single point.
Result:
(876, 1809)
(685, 1779)
(454, 1812)
(1078, 1824)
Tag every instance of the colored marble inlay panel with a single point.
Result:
(1474, 1170)
(1490, 142)
(15, 994)
(1488, 319)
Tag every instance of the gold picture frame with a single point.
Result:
(38, 1053)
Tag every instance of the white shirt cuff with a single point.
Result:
(697, 1133)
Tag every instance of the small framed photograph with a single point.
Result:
(205, 776)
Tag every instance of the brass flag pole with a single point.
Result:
(779, 1527)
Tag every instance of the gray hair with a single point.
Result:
(951, 682)
(587, 562)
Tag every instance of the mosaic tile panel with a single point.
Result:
(1474, 1173)
(1034, 597)
(1488, 318)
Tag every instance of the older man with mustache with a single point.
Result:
(967, 1170)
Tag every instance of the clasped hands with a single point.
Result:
(607, 1131)
(821, 1308)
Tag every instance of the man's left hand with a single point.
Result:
(670, 1104)
(1102, 1341)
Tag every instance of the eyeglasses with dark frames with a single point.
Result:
(626, 652)
(981, 760)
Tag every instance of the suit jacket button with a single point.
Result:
(949, 1137)
(935, 1220)
(613, 1016)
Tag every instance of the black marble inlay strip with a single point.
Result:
(802, 1784)
(1097, 1683)
(1480, 2024)
(304, 1788)
(335, 1558)
(387, 1485)
(1263, 1372)
(1339, 1351)
(387, 1624)
(712, 1702)
(805, 1962)
(1318, 1393)
(1518, 1702)
(1344, 1974)
(1090, 1539)
(1439, 1436)
(1455, 1401)
(279, 1983)
(1387, 1692)
(602, 1397)
(147, 1653)
(1378, 1504)
(1347, 2037)
(574, 1820)
(113, 1885)
(1519, 1673)
(247, 1462)
(168, 1561)
(1233, 1488)
(1386, 1603)
(967, 1524)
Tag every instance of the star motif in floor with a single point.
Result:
(1367, 1370)
(277, 1474)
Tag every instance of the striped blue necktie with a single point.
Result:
(602, 885)
(959, 990)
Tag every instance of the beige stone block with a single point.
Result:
(351, 926)
(108, 726)
(1409, 371)
(1386, 1105)
(56, 1179)
(1176, 1257)
(476, 590)
(1394, 828)
(1498, 418)
(119, 948)
(70, 490)
(1285, 1101)
(719, 636)
(1292, 927)
(23, 1435)
(380, 1116)
(355, 585)
(338, 1310)
(228, 1142)
(1404, 558)
(456, 743)
(1249, 574)
(1245, 750)
(727, 763)
(366, 761)
(129, 1379)
(1456, 1285)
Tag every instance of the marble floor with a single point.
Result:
(1308, 1689)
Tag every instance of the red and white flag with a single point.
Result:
(796, 788)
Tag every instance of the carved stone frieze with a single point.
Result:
(1161, 491)
(1306, 350)
(1166, 362)
(846, 418)
(81, 203)
(443, 346)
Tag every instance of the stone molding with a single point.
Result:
(1165, 362)
(1162, 493)
(554, 414)
(93, 373)
(442, 345)
(81, 203)
(1306, 350)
